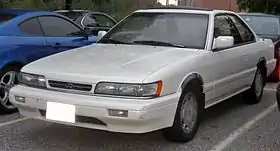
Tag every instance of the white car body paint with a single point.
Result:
(224, 74)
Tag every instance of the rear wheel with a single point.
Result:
(254, 94)
(7, 81)
(188, 115)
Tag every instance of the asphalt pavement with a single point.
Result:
(229, 126)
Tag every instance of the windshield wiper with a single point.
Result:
(158, 43)
(113, 41)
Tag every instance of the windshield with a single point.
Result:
(161, 29)
(4, 17)
(263, 25)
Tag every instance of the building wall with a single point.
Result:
(170, 2)
(212, 4)
(220, 4)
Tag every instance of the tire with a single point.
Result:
(254, 94)
(278, 96)
(7, 108)
(273, 78)
(178, 132)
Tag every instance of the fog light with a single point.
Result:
(120, 113)
(20, 99)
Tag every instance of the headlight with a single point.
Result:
(126, 89)
(32, 80)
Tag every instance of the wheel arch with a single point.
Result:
(12, 63)
(262, 63)
(192, 77)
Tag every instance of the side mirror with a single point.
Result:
(223, 42)
(101, 34)
(87, 32)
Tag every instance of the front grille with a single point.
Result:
(70, 86)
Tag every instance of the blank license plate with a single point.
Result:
(60, 112)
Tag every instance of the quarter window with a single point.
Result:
(59, 27)
(32, 26)
(245, 33)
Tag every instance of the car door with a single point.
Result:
(61, 34)
(97, 22)
(228, 63)
(31, 42)
(252, 48)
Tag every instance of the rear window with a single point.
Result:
(4, 17)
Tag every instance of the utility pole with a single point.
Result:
(68, 4)
(167, 2)
(229, 6)
(266, 7)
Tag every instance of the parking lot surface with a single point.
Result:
(229, 126)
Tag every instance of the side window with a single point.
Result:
(244, 31)
(58, 27)
(32, 27)
(224, 27)
(98, 20)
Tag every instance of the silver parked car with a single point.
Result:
(157, 69)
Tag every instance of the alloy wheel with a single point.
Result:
(6, 83)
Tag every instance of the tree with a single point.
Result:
(98, 3)
(267, 6)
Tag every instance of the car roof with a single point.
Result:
(72, 10)
(19, 11)
(183, 9)
(257, 14)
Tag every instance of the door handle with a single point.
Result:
(56, 45)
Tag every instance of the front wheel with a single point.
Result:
(7, 81)
(189, 112)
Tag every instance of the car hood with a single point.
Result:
(101, 62)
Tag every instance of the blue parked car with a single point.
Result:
(28, 35)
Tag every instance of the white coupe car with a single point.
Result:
(158, 69)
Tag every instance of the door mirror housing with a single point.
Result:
(101, 34)
(222, 42)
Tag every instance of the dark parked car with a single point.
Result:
(278, 96)
(96, 21)
(266, 26)
(29, 35)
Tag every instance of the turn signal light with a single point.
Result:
(20, 99)
(119, 113)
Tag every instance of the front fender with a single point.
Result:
(190, 77)
(8, 56)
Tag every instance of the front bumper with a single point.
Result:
(92, 111)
